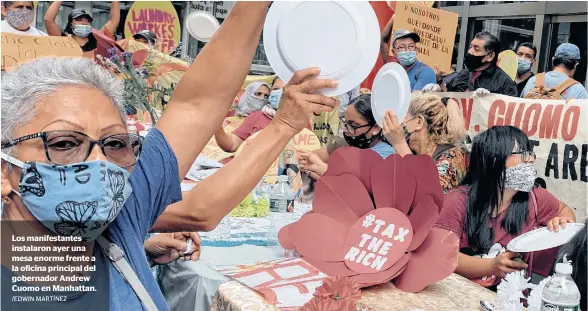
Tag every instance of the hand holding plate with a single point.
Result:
(556, 222)
(392, 129)
(505, 263)
(299, 99)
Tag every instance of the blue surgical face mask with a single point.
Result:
(79, 199)
(275, 97)
(82, 30)
(407, 58)
(524, 65)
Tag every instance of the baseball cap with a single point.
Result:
(567, 50)
(79, 13)
(147, 35)
(404, 33)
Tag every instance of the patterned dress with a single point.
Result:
(452, 165)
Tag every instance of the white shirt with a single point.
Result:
(32, 31)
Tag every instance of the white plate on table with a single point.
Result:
(390, 90)
(202, 25)
(340, 37)
(541, 239)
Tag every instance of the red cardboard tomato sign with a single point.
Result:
(377, 240)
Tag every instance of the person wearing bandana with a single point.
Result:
(18, 18)
(79, 25)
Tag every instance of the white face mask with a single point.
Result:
(520, 177)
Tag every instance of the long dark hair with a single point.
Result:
(576, 252)
(363, 105)
(485, 179)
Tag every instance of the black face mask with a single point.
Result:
(360, 141)
(473, 62)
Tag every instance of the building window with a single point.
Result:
(61, 20)
(510, 32)
(571, 32)
(451, 3)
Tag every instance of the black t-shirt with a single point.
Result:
(522, 84)
(91, 45)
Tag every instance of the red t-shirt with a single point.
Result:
(253, 123)
(453, 213)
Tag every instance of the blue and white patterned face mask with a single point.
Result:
(79, 199)
(275, 97)
(20, 19)
(520, 177)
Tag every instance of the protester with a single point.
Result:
(42, 98)
(481, 74)
(496, 203)
(559, 83)
(254, 104)
(360, 131)
(254, 99)
(146, 37)
(79, 25)
(404, 48)
(433, 126)
(18, 18)
(575, 251)
(526, 53)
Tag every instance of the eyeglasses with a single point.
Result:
(67, 147)
(526, 156)
(404, 48)
(351, 128)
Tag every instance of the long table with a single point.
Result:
(452, 293)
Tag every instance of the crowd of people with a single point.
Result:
(63, 116)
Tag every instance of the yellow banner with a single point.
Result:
(159, 17)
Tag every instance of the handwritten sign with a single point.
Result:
(558, 131)
(435, 27)
(212, 150)
(509, 62)
(160, 17)
(377, 240)
(17, 49)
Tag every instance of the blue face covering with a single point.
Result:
(275, 97)
(82, 30)
(407, 58)
(79, 199)
(524, 65)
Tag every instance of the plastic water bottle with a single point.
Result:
(281, 195)
(561, 293)
(278, 220)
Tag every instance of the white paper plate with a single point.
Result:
(342, 38)
(202, 25)
(390, 90)
(540, 239)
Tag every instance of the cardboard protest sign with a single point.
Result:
(509, 62)
(212, 150)
(377, 240)
(435, 27)
(558, 131)
(17, 49)
(160, 17)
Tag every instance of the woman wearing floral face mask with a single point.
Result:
(496, 203)
(18, 17)
(79, 25)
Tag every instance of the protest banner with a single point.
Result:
(212, 150)
(160, 17)
(558, 131)
(17, 49)
(435, 27)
